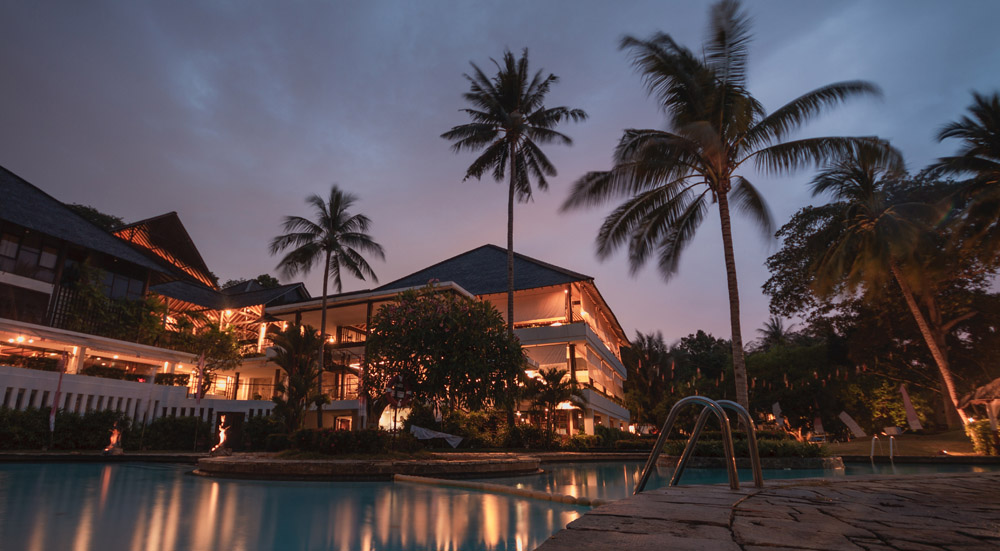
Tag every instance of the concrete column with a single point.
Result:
(588, 421)
(569, 420)
(75, 362)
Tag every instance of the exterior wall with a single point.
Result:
(24, 388)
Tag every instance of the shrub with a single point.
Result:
(984, 440)
(529, 437)
(276, 442)
(609, 436)
(175, 433)
(256, 431)
(644, 443)
(29, 429)
(581, 442)
(766, 448)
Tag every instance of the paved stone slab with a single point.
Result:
(949, 512)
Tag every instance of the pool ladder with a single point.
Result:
(709, 406)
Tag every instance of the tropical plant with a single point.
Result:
(670, 177)
(220, 348)
(337, 239)
(551, 388)
(647, 362)
(882, 241)
(448, 349)
(775, 333)
(509, 122)
(979, 156)
(294, 352)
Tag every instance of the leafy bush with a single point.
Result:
(176, 433)
(29, 429)
(766, 448)
(341, 442)
(256, 431)
(277, 442)
(608, 436)
(643, 443)
(529, 437)
(580, 442)
(984, 440)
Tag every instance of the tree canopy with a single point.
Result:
(448, 349)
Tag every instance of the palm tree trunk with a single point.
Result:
(322, 339)
(925, 331)
(739, 362)
(510, 245)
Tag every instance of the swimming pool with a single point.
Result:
(144, 506)
(137, 506)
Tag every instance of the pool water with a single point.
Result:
(137, 506)
(617, 479)
(140, 506)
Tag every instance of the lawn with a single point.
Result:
(955, 442)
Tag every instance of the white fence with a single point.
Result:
(23, 388)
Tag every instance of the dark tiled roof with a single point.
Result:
(32, 208)
(166, 238)
(483, 271)
(207, 297)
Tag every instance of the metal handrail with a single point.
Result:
(727, 439)
(710, 407)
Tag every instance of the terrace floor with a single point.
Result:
(949, 512)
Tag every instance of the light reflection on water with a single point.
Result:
(136, 506)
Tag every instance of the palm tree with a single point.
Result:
(509, 122)
(293, 352)
(774, 332)
(648, 362)
(551, 388)
(980, 157)
(337, 239)
(881, 241)
(671, 177)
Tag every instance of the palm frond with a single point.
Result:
(749, 202)
(729, 37)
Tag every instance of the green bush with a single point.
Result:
(580, 442)
(643, 443)
(766, 448)
(29, 429)
(984, 440)
(340, 442)
(609, 436)
(256, 431)
(175, 433)
(529, 437)
(277, 442)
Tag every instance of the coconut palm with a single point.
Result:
(293, 351)
(774, 332)
(509, 122)
(335, 238)
(717, 130)
(979, 156)
(880, 242)
(551, 388)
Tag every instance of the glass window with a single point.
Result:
(134, 288)
(49, 257)
(8, 245)
(120, 287)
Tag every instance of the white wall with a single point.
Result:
(23, 388)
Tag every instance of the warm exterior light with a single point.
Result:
(20, 339)
(229, 312)
(10, 340)
(116, 356)
(565, 405)
(972, 419)
(31, 341)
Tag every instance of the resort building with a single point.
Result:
(68, 288)
(560, 317)
(116, 304)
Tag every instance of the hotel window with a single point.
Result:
(8, 252)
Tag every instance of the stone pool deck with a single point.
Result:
(945, 512)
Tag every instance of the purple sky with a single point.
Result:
(231, 113)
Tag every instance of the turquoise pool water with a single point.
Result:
(154, 507)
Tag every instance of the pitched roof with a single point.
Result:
(166, 238)
(195, 293)
(483, 271)
(30, 207)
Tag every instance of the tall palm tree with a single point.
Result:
(979, 156)
(337, 239)
(881, 241)
(670, 177)
(509, 122)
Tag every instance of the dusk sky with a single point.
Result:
(231, 113)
